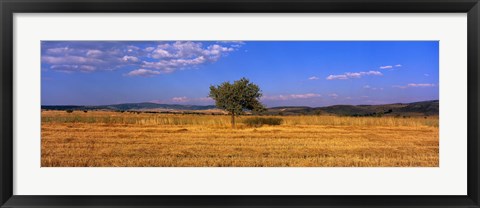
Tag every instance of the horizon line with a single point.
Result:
(266, 106)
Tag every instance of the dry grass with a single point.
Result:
(111, 139)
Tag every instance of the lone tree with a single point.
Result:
(237, 97)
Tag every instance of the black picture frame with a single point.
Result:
(9, 7)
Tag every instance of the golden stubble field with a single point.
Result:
(114, 139)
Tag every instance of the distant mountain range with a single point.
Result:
(423, 108)
(129, 106)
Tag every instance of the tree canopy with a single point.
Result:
(237, 97)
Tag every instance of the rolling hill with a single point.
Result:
(424, 108)
(129, 107)
(396, 109)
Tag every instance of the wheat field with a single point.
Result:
(115, 139)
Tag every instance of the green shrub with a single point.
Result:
(259, 121)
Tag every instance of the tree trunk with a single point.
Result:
(233, 120)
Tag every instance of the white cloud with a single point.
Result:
(186, 100)
(157, 58)
(132, 48)
(149, 49)
(189, 50)
(168, 66)
(181, 55)
(371, 88)
(94, 53)
(70, 60)
(81, 58)
(414, 85)
(180, 99)
(214, 52)
(333, 95)
(313, 78)
(72, 63)
(291, 96)
(161, 53)
(427, 75)
(390, 66)
(143, 73)
(72, 68)
(351, 75)
(61, 50)
(420, 85)
(130, 59)
(333, 77)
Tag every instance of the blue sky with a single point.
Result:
(306, 73)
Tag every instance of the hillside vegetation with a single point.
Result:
(425, 108)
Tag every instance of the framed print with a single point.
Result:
(239, 104)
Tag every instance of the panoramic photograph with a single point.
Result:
(239, 103)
